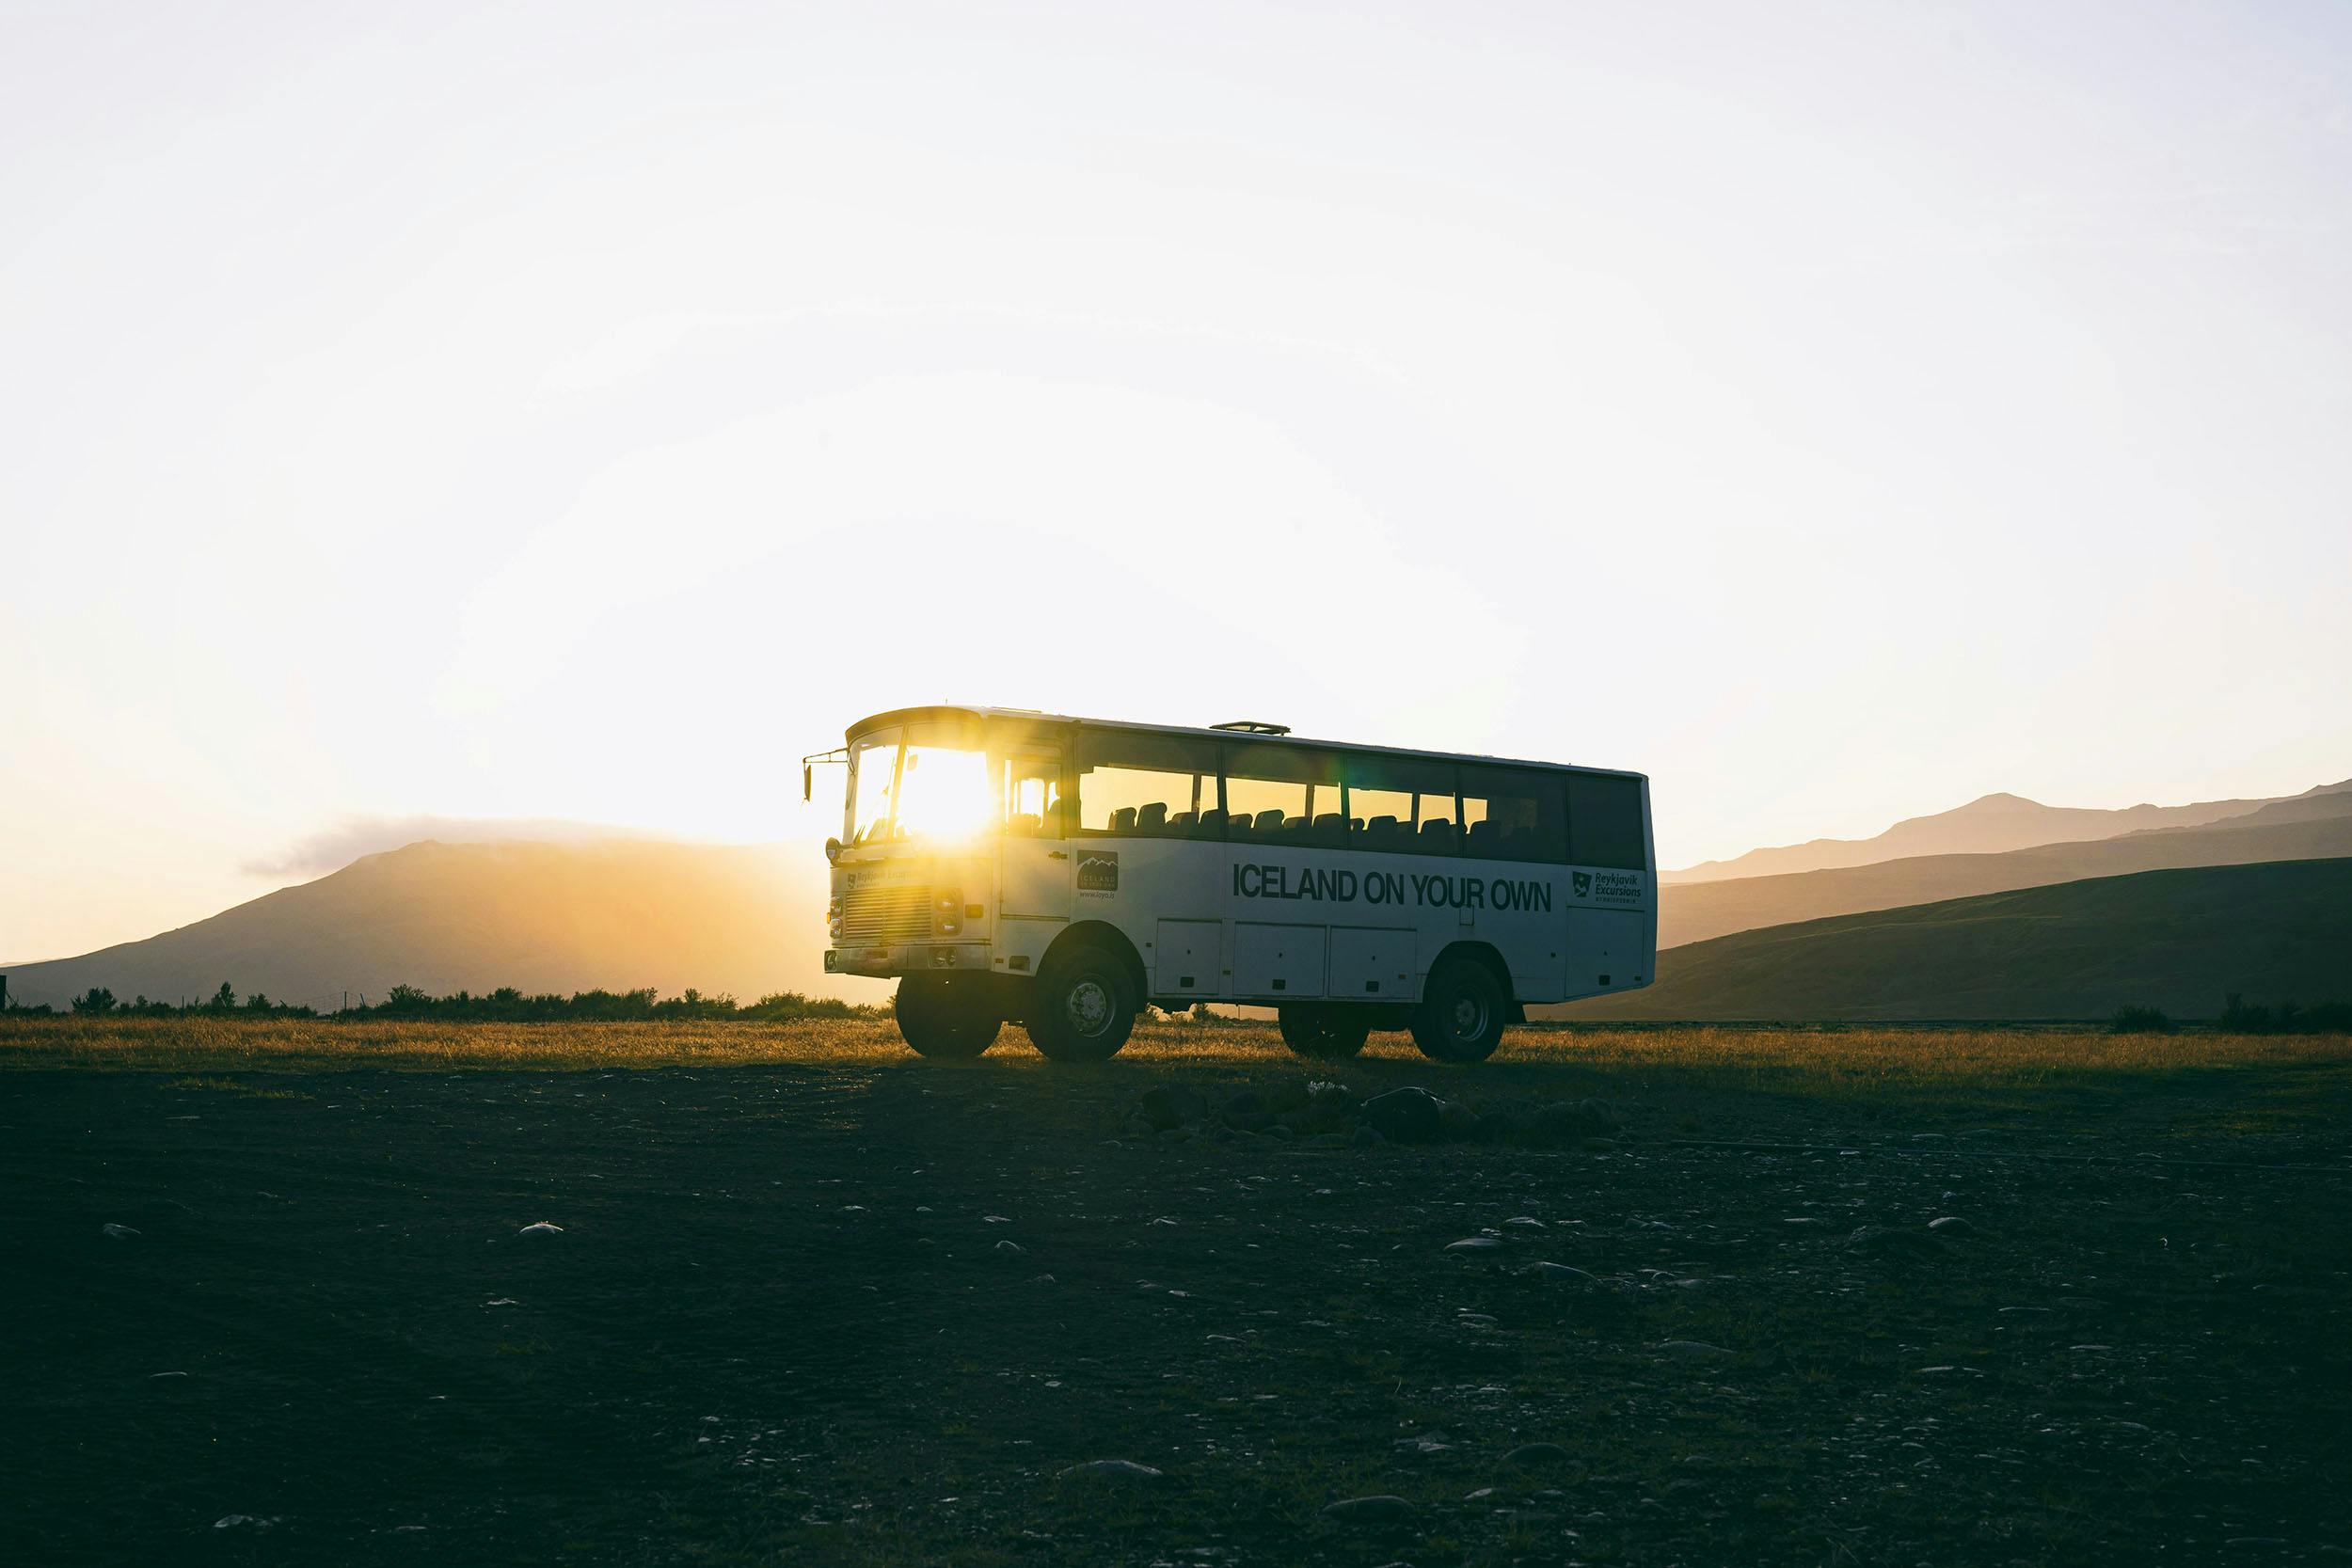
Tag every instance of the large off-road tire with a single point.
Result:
(1461, 1014)
(1083, 1006)
(1324, 1033)
(949, 1017)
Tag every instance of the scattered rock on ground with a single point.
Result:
(116, 1232)
(1561, 1274)
(1885, 1241)
(1694, 1350)
(541, 1227)
(1410, 1115)
(1167, 1105)
(1534, 1456)
(1382, 1509)
(1110, 1469)
(1952, 1225)
(1475, 1244)
(1365, 1136)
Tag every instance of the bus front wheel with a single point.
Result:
(947, 1016)
(1461, 1013)
(1083, 1007)
(1324, 1033)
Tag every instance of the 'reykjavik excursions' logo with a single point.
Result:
(1583, 882)
(1098, 871)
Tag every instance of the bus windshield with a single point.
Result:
(926, 781)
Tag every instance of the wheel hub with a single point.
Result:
(1088, 1008)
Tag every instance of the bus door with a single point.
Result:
(1034, 881)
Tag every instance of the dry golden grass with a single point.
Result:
(1849, 1058)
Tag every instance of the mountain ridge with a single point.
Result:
(2314, 827)
(541, 915)
(2179, 940)
(1990, 824)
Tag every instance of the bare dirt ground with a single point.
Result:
(842, 1305)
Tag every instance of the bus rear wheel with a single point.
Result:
(1083, 1007)
(1324, 1033)
(1461, 1013)
(946, 1017)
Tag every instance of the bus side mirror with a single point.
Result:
(808, 784)
(833, 850)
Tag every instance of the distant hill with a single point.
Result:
(2308, 827)
(557, 917)
(2176, 939)
(1987, 826)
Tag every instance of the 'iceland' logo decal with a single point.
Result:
(1098, 871)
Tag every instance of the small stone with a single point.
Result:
(1694, 1350)
(1525, 1222)
(1474, 1320)
(1366, 1136)
(123, 1233)
(1883, 1240)
(1382, 1509)
(541, 1227)
(1458, 1121)
(1952, 1225)
(1475, 1244)
(1560, 1274)
(1245, 1103)
(1564, 1121)
(1535, 1456)
(1411, 1114)
(1011, 1249)
(1110, 1469)
(1167, 1105)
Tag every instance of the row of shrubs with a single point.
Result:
(509, 1005)
(2239, 1017)
(505, 1004)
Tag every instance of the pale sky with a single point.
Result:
(580, 412)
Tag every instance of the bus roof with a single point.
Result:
(952, 712)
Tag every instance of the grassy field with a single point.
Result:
(814, 1300)
(1725, 1055)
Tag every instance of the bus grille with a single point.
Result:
(874, 913)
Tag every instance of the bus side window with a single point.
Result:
(1401, 805)
(1605, 821)
(1031, 789)
(1144, 785)
(1513, 813)
(1277, 792)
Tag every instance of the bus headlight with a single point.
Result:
(947, 912)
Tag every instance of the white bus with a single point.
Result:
(1065, 873)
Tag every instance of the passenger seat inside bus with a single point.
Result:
(1123, 820)
(1151, 818)
(1484, 837)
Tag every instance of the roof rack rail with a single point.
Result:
(1252, 726)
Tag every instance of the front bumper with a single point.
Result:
(883, 960)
